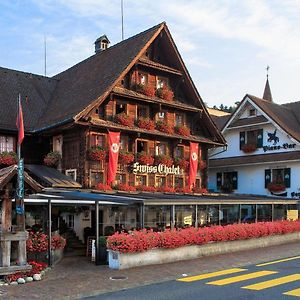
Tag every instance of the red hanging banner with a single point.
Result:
(114, 145)
(19, 123)
(194, 150)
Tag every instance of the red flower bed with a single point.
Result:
(125, 187)
(164, 160)
(165, 189)
(143, 240)
(276, 187)
(126, 158)
(144, 188)
(183, 130)
(8, 158)
(163, 127)
(165, 94)
(146, 123)
(124, 119)
(52, 159)
(103, 187)
(145, 159)
(248, 148)
(96, 153)
(182, 163)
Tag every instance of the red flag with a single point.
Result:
(193, 164)
(20, 124)
(114, 145)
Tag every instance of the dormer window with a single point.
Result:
(252, 112)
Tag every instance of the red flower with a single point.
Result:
(202, 164)
(145, 159)
(96, 153)
(182, 163)
(248, 148)
(165, 189)
(103, 187)
(164, 160)
(276, 187)
(183, 130)
(124, 187)
(126, 158)
(164, 127)
(165, 94)
(124, 119)
(145, 188)
(52, 159)
(146, 123)
(8, 158)
(185, 190)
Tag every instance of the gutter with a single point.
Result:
(53, 125)
(224, 149)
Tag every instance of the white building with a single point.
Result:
(263, 153)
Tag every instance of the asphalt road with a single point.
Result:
(270, 280)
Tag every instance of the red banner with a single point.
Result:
(194, 150)
(19, 123)
(114, 145)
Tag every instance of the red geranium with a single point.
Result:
(164, 127)
(103, 187)
(164, 160)
(145, 159)
(96, 153)
(145, 188)
(183, 130)
(146, 123)
(165, 189)
(124, 187)
(165, 94)
(52, 159)
(126, 158)
(182, 163)
(8, 158)
(124, 119)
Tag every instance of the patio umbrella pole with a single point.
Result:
(97, 233)
(49, 233)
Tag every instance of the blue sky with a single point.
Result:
(226, 45)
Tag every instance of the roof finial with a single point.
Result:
(267, 92)
(267, 68)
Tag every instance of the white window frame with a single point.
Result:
(68, 171)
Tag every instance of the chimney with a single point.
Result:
(101, 43)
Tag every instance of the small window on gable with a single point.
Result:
(143, 78)
(252, 112)
(120, 108)
(161, 82)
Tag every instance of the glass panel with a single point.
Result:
(141, 179)
(279, 212)
(178, 120)
(158, 217)
(178, 182)
(247, 213)
(185, 215)
(96, 177)
(264, 212)
(6, 144)
(160, 181)
(213, 214)
(229, 214)
(202, 215)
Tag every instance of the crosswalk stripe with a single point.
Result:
(278, 261)
(274, 282)
(295, 292)
(210, 275)
(241, 278)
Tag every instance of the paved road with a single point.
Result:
(279, 279)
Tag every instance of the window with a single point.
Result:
(251, 137)
(160, 148)
(142, 78)
(101, 112)
(95, 178)
(179, 182)
(142, 111)
(227, 181)
(120, 108)
(160, 181)
(120, 178)
(252, 112)
(124, 143)
(72, 173)
(161, 82)
(141, 146)
(97, 140)
(141, 180)
(6, 143)
(179, 152)
(57, 143)
(179, 119)
(278, 176)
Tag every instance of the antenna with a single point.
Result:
(122, 16)
(45, 54)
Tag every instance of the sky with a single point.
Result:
(226, 45)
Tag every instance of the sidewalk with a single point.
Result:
(76, 277)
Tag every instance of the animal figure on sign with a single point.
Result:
(273, 137)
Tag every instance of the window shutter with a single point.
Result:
(259, 138)
(242, 139)
(219, 180)
(267, 177)
(235, 180)
(287, 177)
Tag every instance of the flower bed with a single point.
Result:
(96, 153)
(183, 130)
(165, 94)
(164, 159)
(143, 240)
(163, 127)
(8, 158)
(146, 123)
(145, 159)
(52, 159)
(126, 158)
(124, 119)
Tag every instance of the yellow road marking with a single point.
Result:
(278, 261)
(295, 292)
(274, 282)
(210, 275)
(241, 277)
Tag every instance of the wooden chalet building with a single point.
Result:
(139, 87)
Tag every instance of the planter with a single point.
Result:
(121, 261)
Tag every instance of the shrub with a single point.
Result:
(52, 159)
(164, 127)
(8, 158)
(146, 123)
(124, 119)
(96, 153)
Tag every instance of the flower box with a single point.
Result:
(182, 163)
(125, 158)
(165, 93)
(276, 187)
(103, 187)
(145, 159)
(147, 90)
(96, 153)
(8, 158)
(164, 160)
(124, 187)
(249, 148)
(183, 130)
(146, 123)
(163, 127)
(124, 119)
(145, 188)
(52, 159)
(165, 189)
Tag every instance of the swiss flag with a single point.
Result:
(20, 123)
(194, 151)
(114, 146)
